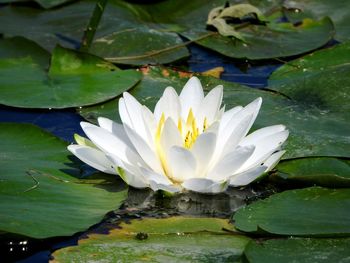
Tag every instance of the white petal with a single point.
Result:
(135, 113)
(273, 160)
(227, 116)
(168, 188)
(84, 125)
(150, 122)
(264, 148)
(203, 185)
(115, 128)
(181, 163)
(83, 141)
(131, 174)
(258, 135)
(156, 177)
(146, 153)
(236, 136)
(247, 176)
(92, 157)
(123, 113)
(230, 163)
(210, 106)
(254, 107)
(159, 181)
(224, 134)
(132, 179)
(169, 104)
(170, 136)
(109, 143)
(203, 150)
(191, 97)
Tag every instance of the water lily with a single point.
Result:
(188, 142)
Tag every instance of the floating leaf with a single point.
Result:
(323, 171)
(44, 3)
(139, 46)
(123, 36)
(260, 41)
(319, 80)
(74, 79)
(64, 26)
(175, 239)
(313, 132)
(303, 250)
(19, 47)
(312, 211)
(267, 41)
(337, 10)
(41, 194)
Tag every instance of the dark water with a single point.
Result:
(64, 123)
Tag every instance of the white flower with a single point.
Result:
(188, 142)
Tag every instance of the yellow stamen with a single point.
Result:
(179, 125)
(205, 124)
(192, 131)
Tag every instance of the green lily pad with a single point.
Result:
(313, 132)
(19, 47)
(176, 239)
(73, 79)
(323, 171)
(123, 36)
(41, 194)
(64, 26)
(320, 79)
(260, 41)
(139, 46)
(312, 211)
(303, 250)
(267, 41)
(337, 10)
(43, 3)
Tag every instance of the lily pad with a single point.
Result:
(123, 36)
(64, 26)
(43, 3)
(272, 40)
(73, 79)
(313, 132)
(303, 250)
(139, 46)
(176, 239)
(267, 41)
(337, 10)
(323, 171)
(312, 211)
(40, 191)
(319, 80)
(19, 47)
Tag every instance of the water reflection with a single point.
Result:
(188, 203)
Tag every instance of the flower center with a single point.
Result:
(189, 132)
